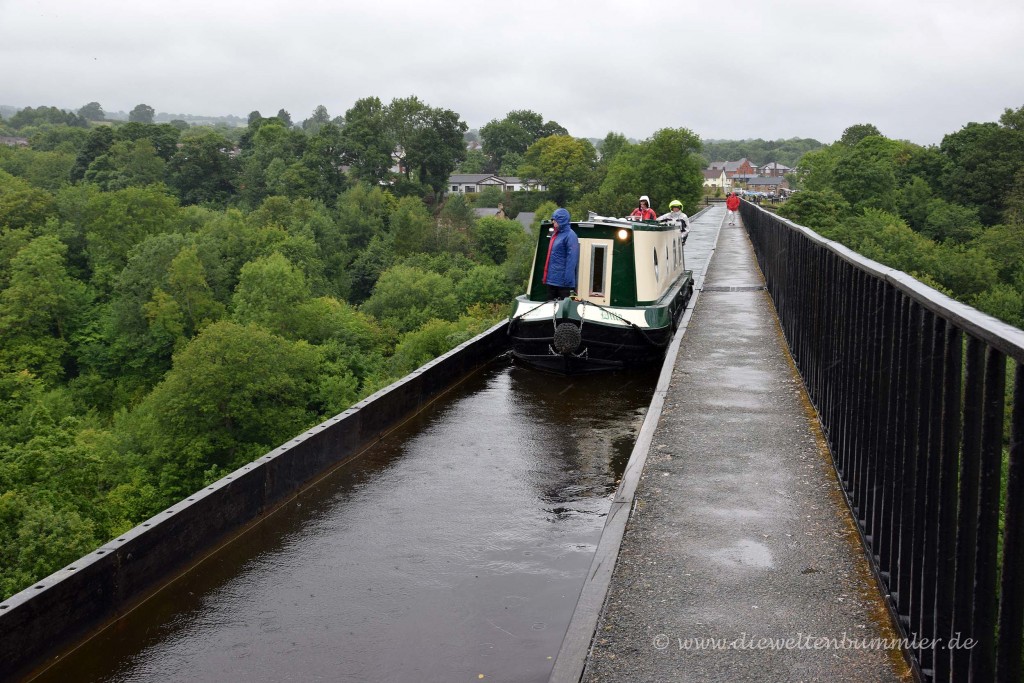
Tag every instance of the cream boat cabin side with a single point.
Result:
(632, 287)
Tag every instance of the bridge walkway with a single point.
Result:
(740, 560)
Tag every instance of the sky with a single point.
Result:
(916, 69)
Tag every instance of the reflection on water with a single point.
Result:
(454, 548)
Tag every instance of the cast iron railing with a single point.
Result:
(912, 391)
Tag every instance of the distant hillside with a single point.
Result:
(7, 111)
(761, 152)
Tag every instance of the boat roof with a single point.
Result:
(632, 223)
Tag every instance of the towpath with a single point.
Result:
(739, 561)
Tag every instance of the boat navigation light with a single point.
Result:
(623, 234)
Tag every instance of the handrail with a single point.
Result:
(911, 390)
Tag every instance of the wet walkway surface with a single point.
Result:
(740, 561)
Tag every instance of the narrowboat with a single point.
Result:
(631, 290)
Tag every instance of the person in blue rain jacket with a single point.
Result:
(563, 257)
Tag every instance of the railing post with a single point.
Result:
(967, 518)
(1011, 603)
(945, 550)
(983, 656)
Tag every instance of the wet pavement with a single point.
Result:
(740, 561)
(453, 550)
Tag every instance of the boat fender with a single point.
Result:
(567, 338)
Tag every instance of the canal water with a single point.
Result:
(454, 550)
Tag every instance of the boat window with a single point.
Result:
(657, 276)
(597, 261)
(675, 256)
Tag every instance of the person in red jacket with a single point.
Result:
(733, 204)
(644, 211)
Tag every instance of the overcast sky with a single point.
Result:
(776, 69)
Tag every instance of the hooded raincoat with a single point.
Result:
(563, 253)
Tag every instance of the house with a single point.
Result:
(13, 141)
(715, 178)
(717, 165)
(743, 168)
(472, 182)
(463, 183)
(774, 170)
(768, 184)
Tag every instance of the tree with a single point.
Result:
(234, 392)
(164, 137)
(270, 290)
(436, 148)
(411, 226)
(126, 164)
(983, 159)
(314, 123)
(285, 118)
(854, 134)
(45, 115)
(612, 144)
(493, 237)
(92, 112)
(866, 174)
(117, 221)
(406, 298)
(323, 158)
(142, 113)
(514, 134)
(563, 163)
(97, 144)
(366, 142)
(38, 310)
(474, 162)
(23, 206)
(664, 167)
(201, 170)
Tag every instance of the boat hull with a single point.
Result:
(573, 336)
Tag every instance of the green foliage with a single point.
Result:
(366, 142)
(92, 112)
(28, 116)
(270, 290)
(564, 163)
(201, 170)
(363, 213)
(433, 339)
(127, 164)
(58, 139)
(40, 310)
(855, 133)
(367, 267)
(760, 151)
(822, 210)
(406, 297)
(141, 113)
(664, 167)
(117, 221)
(492, 236)
(96, 145)
(475, 162)
(412, 227)
(866, 174)
(233, 393)
(45, 170)
(984, 159)
(23, 206)
(513, 135)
